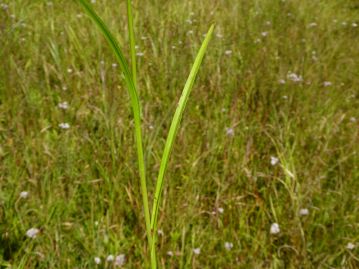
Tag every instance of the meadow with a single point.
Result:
(264, 172)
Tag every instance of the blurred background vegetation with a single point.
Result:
(271, 128)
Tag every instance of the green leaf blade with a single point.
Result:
(172, 135)
(135, 103)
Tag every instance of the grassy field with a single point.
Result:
(265, 168)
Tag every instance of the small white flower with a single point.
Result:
(160, 232)
(264, 34)
(219, 35)
(294, 77)
(229, 132)
(190, 32)
(350, 246)
(285, 97)
(64, 105)
(197, 251)
(273, 160)
(32, 233)
(354, 24)
(304, 212)
(64, 88)
(110, 258)
(170, 253)
(140, 54)
(353, 119)
(97, 260)
(281, 81)
(220, 210)
(173, 47)
(93, 1)
(228, 245)
(228, 52)
(274, 228)
(114, 65)
(327, 84)
(64, 125)
(312, 24)
(24, 194)
(120, 260)
(69, 70)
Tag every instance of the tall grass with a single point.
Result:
(221, 188)
(130, 78)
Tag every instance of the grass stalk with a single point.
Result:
(135, 103)
(131, 33)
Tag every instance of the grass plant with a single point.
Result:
(151, 224)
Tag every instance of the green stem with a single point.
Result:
(132, 42)
(135, 103)
(141, 161)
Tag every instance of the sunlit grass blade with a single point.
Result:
(131, 87)
(171, 137)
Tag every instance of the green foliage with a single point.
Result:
(82, 182)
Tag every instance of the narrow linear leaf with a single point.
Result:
(172, 135)
(135, 103)
(113, 43)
